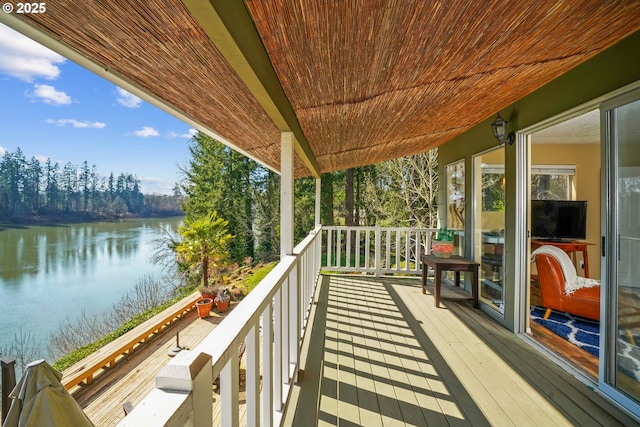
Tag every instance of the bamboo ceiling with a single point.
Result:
(367, 80)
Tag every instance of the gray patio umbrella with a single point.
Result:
(40, 400)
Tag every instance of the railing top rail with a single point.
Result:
(374, 227)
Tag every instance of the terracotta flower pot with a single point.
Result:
(441, 248)
(204, 307)
(222, 304)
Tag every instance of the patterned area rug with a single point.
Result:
(585, 334)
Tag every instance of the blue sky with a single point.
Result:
(52, 108)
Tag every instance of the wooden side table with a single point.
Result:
(456, 264)
(569, 247)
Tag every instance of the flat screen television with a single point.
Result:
(558, 220)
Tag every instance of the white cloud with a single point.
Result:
(76, 123)
(50, 95)
(2, 151)
(128, 99)
(190, 134)
(146, 132)
(25, 59)
(151, 185)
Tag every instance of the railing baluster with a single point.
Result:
(294, 324)
(356, 254)
(339, 248)
(286, 329)
(329, 261)
(376, 250)
(277, 351)
(347, 249)
(229, 390)
(253, 376)
(407, 250)
(268, 402)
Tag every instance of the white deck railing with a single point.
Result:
(271, 320)
(376, 250)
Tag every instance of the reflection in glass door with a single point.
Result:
(454, 174)
(622, 358)
(489, 192)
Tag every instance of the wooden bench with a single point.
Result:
(105, 357)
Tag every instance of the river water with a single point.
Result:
(48, 274)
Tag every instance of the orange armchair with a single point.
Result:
(583, 302)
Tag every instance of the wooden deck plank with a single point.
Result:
(552, 411)
(368, 406)
(577, 400)
(134, 377)
(481, 403)
(496, 378)
(448, 366)
(564, 393)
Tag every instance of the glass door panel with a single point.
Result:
(489, 206)
(623, 357)
(454, 174)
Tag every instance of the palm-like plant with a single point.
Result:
(204, 241)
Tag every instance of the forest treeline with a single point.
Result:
(30, 190)
(399, 192)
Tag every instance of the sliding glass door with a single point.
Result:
(621, 248)
(489, 230)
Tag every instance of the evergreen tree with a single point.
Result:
(31, 190)
(52, 193)
(12, 173)
(267, 218)
(219, 179)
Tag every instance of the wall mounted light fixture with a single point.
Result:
(499, 126)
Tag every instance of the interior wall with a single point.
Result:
(586, 158)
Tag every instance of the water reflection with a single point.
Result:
(70, 267)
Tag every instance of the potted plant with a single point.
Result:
(204, 306)
(222, 300)
(442, 245)
(209, 292)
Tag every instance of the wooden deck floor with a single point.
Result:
(132, 379)
(381, 354)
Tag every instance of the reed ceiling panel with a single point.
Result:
(368, 80)
(373, 80)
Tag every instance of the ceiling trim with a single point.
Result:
(231, 29)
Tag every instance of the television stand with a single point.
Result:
(570, 247)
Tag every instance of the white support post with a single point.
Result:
(267, 402)
(318, 195)
(253, 377)
(187, 372)
(286, 193)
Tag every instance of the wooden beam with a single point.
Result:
(230, 27)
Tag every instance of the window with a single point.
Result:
(552, 182)
(455, 195)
